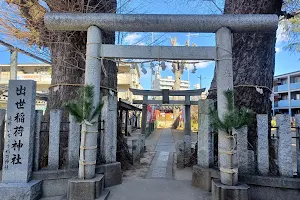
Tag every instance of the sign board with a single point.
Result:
(18, 149)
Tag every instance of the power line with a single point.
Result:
(11, 47)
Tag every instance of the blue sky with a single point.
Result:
(285, 61)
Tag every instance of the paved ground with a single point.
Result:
(157, 189)
(159, 183)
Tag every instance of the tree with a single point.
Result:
(290, 24)
(82, 109)
(66, 49)
(253, 61)
(177, 70)
(23, 20)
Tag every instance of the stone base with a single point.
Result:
(90, 189)
(112, 173)
(226, 192)
(201, 178)
(25, 191)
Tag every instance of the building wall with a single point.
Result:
(128, 77)
(160, 83)
(41, 73)
(286, 90)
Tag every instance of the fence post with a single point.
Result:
(242, 149)
(285, 163)
(262, 144)
(2, 124)
(73, 142)
(205, 141)
(297, 117)
(142, 143)
(54, 139)
(37, 132)
(136, 151)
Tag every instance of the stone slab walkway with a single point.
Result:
(162, 164)
(159, 182)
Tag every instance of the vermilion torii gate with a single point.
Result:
(222, 25)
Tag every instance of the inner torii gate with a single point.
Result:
(95, 23)
(165, 93)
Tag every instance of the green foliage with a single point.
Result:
(82, 107)
(290, 24)
(233, 119)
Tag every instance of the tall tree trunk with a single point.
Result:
(253, 61)
(178, 75)
(68, 64)
(67, 68)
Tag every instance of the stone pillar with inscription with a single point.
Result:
(18, 149)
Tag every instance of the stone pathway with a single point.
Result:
(161, 166)
(158, 183)
(157, 189)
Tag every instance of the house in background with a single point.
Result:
(41, 73)
(128, 77)
(286, 90)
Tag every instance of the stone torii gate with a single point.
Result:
(95, 23)
(165, 93)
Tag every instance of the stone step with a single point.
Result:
(90, 188)
(104, 195)
(54, 198)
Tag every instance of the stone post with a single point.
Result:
(138, 121)
(13, 64)
(144, 114)
(242, 149)
(187, 130)
(142, 142)
(2, 120)
(18, 152)
(88, 153)
(262, 144)
(297, 117)
(73, 142)
(205, 143)
(37, 140)
(126, 123)
(136, 151)
(179, 146)
(54, 139)
(224, 77)
(251, 162)
(109, 135)
(19, 147)
(285, 163)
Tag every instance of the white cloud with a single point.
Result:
(282, 33)
(132, 38)
(203, 64)
(277, 49)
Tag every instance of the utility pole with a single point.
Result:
(13, 64)
(152, 69)
(200, 78)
